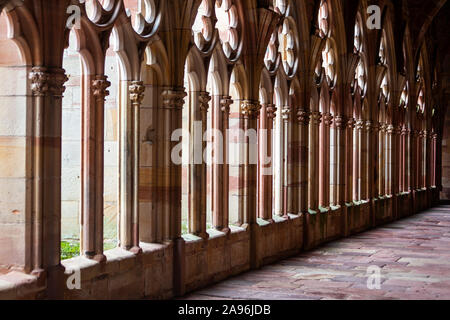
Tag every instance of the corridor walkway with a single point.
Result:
(413, 256)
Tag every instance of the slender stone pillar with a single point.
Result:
(197, 168)
(359, 187)
(286, 165)
(340, 124)
(250, 111)
(351, 170)
(324, 161)
(314, 155)
(173, 101)
(220, 171)
(267, 116)
(48, 87)
(129, 169)
(39, 86)
(92, 170)
(304, 118)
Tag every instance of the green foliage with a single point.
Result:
(69, 250)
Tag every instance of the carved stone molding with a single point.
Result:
(250, 109)
(390, 129)
(351, 123)
(316, 117)
(57, 79)
(204, 98)
(360, 124)
(340, 122)
(369, 126)
(225, 104)
(39, 81)
(99, 87)
(173, 99)
(304, 117)
(327, 119)
(286, 113)
(136, 90)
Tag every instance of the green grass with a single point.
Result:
(71, 249)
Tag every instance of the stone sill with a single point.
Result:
(17, 285)
(213, 234)
(117, 260)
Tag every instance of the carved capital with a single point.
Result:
(204, 98)
(173, 99)
(271, 111)
(340, 122)
(304, 117)
(39, 81)
(360, 124)
(136, 90)
(316, 117)
(250, 109)
(390, 129)
(286, 113)
(225, 104)
(57, 79)
(370, 126)
(351, 123)
(99, 87)
(327, 119)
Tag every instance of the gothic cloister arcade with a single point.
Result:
(159, 146)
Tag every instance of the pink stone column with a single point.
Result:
(267, 116)
(324, 161)
(197, 167)
(303, 117)
(314, 166)
(250, 111)
(47, 86)
(92, 169)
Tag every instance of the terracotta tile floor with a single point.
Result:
(413, 256)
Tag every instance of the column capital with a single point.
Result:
(137, 90)
(250, 109)
(351, 123)
(57, 79)
(371, 126)
(173, 99)
(340, 122)
(360, 124)
(327, 119)
(99, 86)
(204, 98)
(316, 117)
(286, 113)
(225, 104)
(271, 111)
(390, 129)
(39, 81)
(304, 117)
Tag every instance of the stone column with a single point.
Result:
(434, 160)
(359, 187)
(220, 174)
(390, 155)
(303, 117)
(286, 165)
(48, 87)
(250, 110)
(92, 170)
(381, 160)
(314, 155)
(197, 168)
(340, 124)
(129, 169)
(267, 116)
(351, 168)
(324, 161)
(173, 101)
(40, 88)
